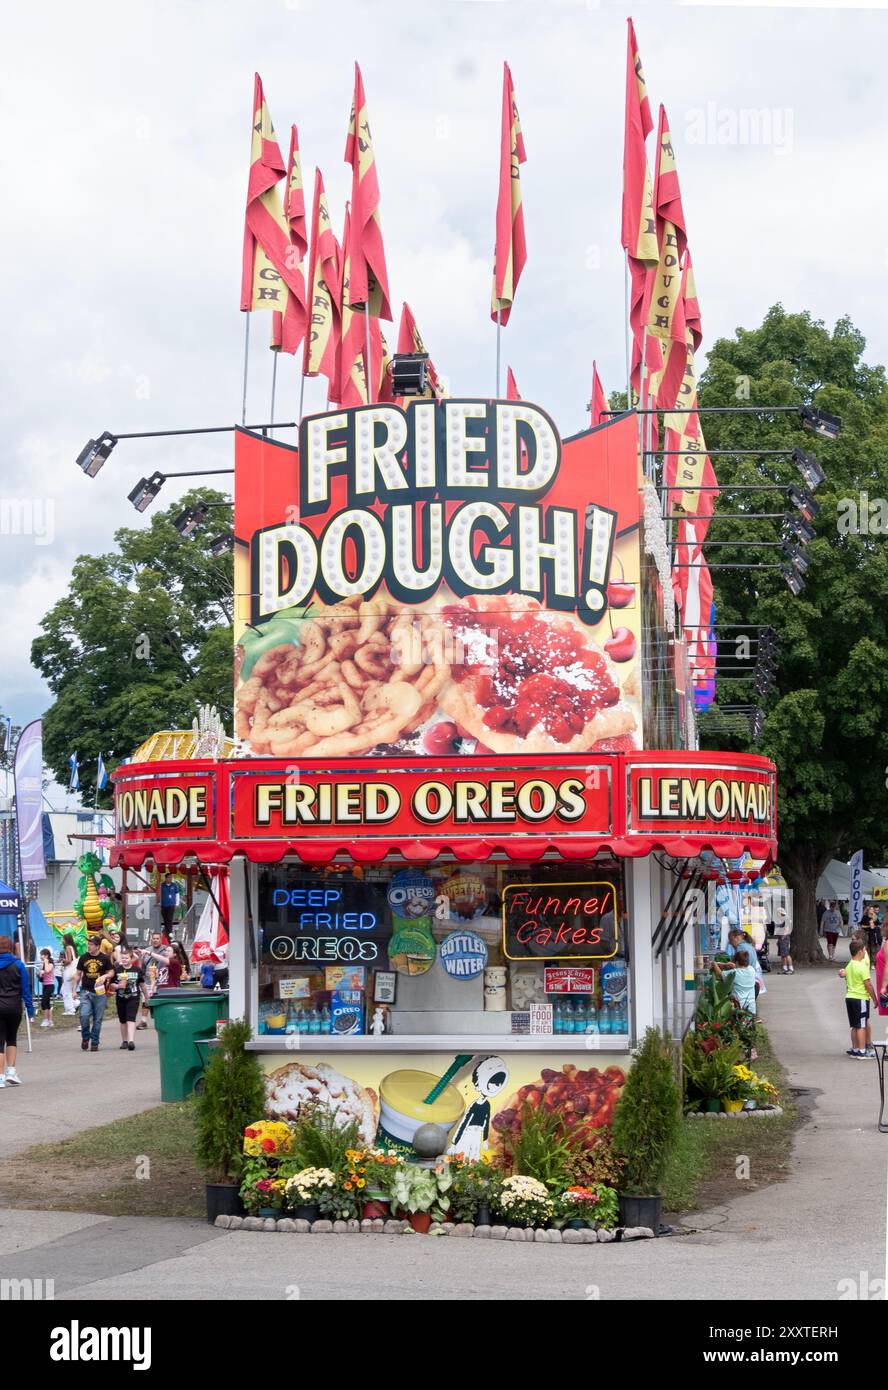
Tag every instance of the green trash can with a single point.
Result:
(184, 1018)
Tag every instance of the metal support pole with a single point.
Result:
(274, 373)
(246, 364)
(368, 362)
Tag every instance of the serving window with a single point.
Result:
(473, 950)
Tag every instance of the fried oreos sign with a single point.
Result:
(446, 493)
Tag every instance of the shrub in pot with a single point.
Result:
(708, 1071)
(646, 1123)
(475, 1187)
(233, 1094)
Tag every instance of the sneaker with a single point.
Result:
(12, 1077)
(131, 1047)
(140, 1026)
(2, 1081)
(44, 1024)
(850, 1052)
(870, 1052)
(859, 1056)
(84, 1044)
(123, 1047)
(94, 1047)
(791, 970)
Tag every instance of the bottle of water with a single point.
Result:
(558, 1017)
(591, 1016)
(325, 1019)
(314, 1021)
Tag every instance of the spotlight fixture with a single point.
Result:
(796, 556)
(800, 528)
(809, 468)
(94, 453)
(802, 500)
(819, 422)
(145, 491)
(795, 582)
(410, 374)
(187, 522)
(223, 544)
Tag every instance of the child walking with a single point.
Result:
(859, 994)
(47, 987)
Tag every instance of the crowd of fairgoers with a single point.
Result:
(109, 968)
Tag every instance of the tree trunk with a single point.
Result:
(802, 867)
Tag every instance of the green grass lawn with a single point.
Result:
(703, 1170)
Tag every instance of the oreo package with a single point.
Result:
(346, 1011)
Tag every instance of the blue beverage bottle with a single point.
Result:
(591, 1016)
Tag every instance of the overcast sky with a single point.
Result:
(124, 161)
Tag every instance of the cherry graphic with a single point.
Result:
(440, 738)
(621, 645)
(620, 595)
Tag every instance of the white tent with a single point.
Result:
(835, 881)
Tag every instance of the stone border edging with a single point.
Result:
(771, 1113)
(392, 1227)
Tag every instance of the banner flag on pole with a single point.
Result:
(324, 274)
(638, 231)
(288, 328)
(598, 405)
(410, 340)
(368, 280)
(511, 247)
(28, 779)
(693, 321)
(855, 890)
(664, 307)
(351, 380)
(7, 736)
(101, 775)
(74, 782)
(267, 269)
(512, 392)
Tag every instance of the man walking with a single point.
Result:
(169, 901)
(831, 925)
(94, 971)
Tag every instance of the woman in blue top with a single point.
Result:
(15, 990)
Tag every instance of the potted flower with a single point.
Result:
(523, 1201)
(645, 1127)
(421, 1193)
(475, 1186)
(380, 1166)
(234, 1091)
(708, 1069)
(737, 1088)
(261, 1194)
(305, 1190)
(268, 1139)
(595, 1206)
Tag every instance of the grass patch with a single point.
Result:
(142, 1165)
(702, 1170)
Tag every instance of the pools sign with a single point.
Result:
(437, 579)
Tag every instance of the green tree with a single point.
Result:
(826, 723)
(140, 640)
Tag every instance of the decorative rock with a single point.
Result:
(340, 1228)
(235, 1223)
(541, 1236)
(301, 1227)
(603, 1235)
(517, 1233)
(223, 1222)
(253, 1223)
(497, 1233)
(377, 1225)
(393, 1227)
(354, 1226)
(571, 1237)
(462, 1228)
(287, 1224)
(429, 1140)
(270, 1223)
(437, 1228)
(555, 1237)
(482, 1233)
(638, 1233)
(322, 1227)
(588, 1237)
(367, 1226)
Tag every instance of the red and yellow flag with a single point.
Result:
(369, 277)
(351, 380)
(691, 303)
(321, 354)
(511, 247)
(289, 328)
(267, 272)
(638, 232)
(665, 307)
(512, 392)
(410, 340)
(598, 405)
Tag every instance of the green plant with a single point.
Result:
(380, 1166)
(648, 1115)
(340, 1203)
(596, 1203)
(306, 1187)
(525, 1200)
(708, 1072)
(544, 1149)
(416, 1189)
(595, 1162)
(320, 1140)
(474, 1184)
(234, 1093)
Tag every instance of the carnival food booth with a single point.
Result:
(461, 849)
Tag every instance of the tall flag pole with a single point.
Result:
(268, 272)
(410, 340)
(598, 404)
(638, 231)
(368, 278)
(288, 326)
(511, 246)
(353, 387)
(321, 354)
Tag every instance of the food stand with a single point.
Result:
(460, 846)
